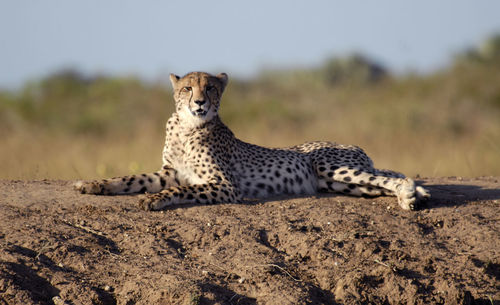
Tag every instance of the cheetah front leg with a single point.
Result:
(209, 193)
(150, 183)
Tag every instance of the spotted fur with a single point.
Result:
(203, 162)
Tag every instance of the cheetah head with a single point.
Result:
(197, 96)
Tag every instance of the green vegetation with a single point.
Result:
(448, 123)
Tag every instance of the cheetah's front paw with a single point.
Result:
(150, 202)
(92, 187)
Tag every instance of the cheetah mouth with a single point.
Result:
(199, 112)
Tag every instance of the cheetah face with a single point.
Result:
(197, 96)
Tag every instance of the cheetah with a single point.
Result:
(204, 163)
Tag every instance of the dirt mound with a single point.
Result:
(60, 247)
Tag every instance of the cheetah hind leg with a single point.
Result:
(375, 183)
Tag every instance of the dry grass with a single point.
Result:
(444, 124)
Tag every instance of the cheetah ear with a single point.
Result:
(173, 79)
(223, 79)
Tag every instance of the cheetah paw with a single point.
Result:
(92, 187)
(406, 193)
(422, 194)
(150, 203)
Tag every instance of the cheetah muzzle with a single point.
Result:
(203, 162)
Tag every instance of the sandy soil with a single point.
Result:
(60, 247)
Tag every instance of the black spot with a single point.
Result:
(347, 191)
(126, 190)
(163, 182)
(132, 179)
(270, 189)
(330, 174)
(261, 185)
(322, 169)
(343, 172)
(123, 179)
(141, 182)
(352, 186)
(150, 180)
(129, 183)
(156, 174)
(143, 189)
(189, 196)
(203, 196)
(288, 170)
(357, 173)
(347, 179)
(372, 178)
(277, 174)
(333, 168)
(386, 181)
(214, 194)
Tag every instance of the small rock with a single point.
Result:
(58, 301)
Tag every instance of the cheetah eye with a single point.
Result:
(187, 89)
(209, 88)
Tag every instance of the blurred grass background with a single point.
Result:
(69, 126)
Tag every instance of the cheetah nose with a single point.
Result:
(199, 103)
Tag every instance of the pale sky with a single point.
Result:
(151, 38)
